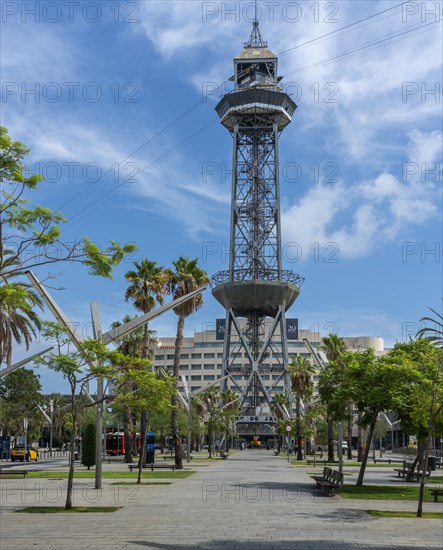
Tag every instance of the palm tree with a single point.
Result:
(147, 288)
(334, 347)
(301, 371)
(278, 401)
(230, 406)
(435, 333)
(18, 320)
(185, 278)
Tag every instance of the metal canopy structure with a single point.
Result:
(107, 338)
(255, 286)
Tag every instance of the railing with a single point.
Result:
(243, 275)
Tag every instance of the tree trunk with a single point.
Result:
(366, 452)
(142, 454)
(330, 440)
(68, 504)
(127, 433)
(349, 430)
(174, 399)
(210, 439)
(360, 444)
(298, 427)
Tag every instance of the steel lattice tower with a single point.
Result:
(255, 286)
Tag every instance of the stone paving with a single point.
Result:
(253, 500)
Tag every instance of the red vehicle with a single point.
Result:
(115, 443)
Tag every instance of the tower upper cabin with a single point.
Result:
(256, 86)
(256, 65)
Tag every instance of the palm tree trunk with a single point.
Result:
(174, 399)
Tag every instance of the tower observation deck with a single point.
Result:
(255, 286)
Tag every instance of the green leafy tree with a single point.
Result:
(301, 372)
(147, 288)
(79, 368)
(152, 393)
(130, 345)
(334, 347)
(183, 279)
(30, 237)
(88, 446)
(420, 403)
(20, 392)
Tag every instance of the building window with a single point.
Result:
(209, 366)
(219, 355)
(209, 355)
(184, 356)
(196, 356)
(196, 367)
(170, 356)
(193, 388)
(184, 367)
(196, 377)
(159, 357)
(209, 377)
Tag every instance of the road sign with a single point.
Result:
(288, 428)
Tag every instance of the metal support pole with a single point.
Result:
(51, 409)
(189, 428)
(97, 332)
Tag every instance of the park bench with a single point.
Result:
(224, 455)
(436, 493)
(13, 473)
(416, 474)
(327, 474)
(153, 467)
(332, 483)
(319, 461)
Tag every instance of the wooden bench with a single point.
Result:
(327, 474)
(436, 493)
(405, 469)
(12, 472)
(332, 484)
(153, 467)
(224, 455)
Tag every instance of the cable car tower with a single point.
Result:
(255, 286)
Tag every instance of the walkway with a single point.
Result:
(253, 500)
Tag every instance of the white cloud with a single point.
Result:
(380, 208)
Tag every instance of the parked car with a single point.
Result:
(19, 453)
(344, 445)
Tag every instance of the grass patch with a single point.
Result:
(320, 464)
(400, 514)
(383, 492)
(142, 483)
(73, 510)
(178, 474)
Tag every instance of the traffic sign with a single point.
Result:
(288, 428)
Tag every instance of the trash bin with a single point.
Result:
(432, 462)
(76, 456)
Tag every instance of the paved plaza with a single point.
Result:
(253, 500)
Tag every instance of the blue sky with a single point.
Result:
(132, 151)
